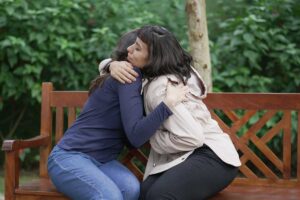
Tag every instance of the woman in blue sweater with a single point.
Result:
(83, 165)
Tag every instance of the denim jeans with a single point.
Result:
(81, 177)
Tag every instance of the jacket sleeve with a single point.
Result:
(103, 66)
(180, 132)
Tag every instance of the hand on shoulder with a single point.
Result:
(175, 94)
(123, 71)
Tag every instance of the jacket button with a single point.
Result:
(154, 164)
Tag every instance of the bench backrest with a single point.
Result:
(265, 130)
(56, 105)
(263, 127)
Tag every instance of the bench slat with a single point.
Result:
(71, 115)
(59, 128)
(254, 101)
(68, 98)
(287, 147)
(298, 148)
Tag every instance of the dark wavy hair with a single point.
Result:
(166, 56)
(119, 54)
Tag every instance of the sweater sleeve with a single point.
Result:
(103, 66)
(180, 132)
(138, 128)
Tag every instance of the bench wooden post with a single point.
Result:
(46, 127)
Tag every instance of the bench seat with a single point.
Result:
(40, 188)
(43, 188)
(246, 192)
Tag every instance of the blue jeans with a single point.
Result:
(81, 177)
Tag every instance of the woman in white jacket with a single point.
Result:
(190, 157)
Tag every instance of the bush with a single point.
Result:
(61, 41)
(259, 51)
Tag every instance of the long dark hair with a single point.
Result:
(119, 54)
(166, 56)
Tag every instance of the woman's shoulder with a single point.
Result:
(164, 79)
(159, 83)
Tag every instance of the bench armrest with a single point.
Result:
(13, 145)
(12, 163)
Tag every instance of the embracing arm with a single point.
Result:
(104, 66)
(180, 132)
(120, 70)
(138, 128)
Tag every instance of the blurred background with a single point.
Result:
(254, 47)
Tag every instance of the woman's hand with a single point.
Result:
(122, 71)
(175, 94)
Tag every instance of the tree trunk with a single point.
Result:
(198, 39)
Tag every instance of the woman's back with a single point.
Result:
(98, 130)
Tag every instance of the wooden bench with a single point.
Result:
(254, 121)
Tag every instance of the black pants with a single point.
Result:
(200, 176)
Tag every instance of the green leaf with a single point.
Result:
(251, 55)
(248, 38)
(3, 21)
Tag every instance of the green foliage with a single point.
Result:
(62, 41)
(260, 50)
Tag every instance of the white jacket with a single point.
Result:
(190, 126)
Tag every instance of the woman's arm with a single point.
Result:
(138, 128)
(120, 70)
(180, 132)
(104, 66)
